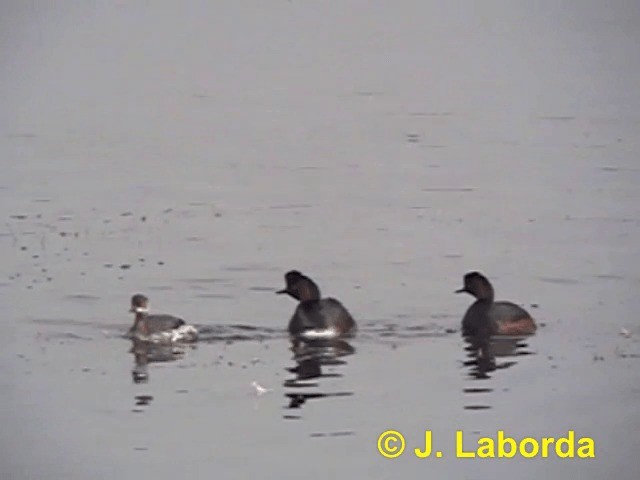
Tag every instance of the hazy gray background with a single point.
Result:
(384, 148)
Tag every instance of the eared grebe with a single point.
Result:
(493, 318)
(315, 317)
(158, 328)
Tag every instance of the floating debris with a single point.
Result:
(260, 390)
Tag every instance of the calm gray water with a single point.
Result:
(195, 151)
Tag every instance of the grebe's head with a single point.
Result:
(477, 285)
(300, 287)
(139, 304)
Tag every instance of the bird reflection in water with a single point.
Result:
(145, 353)
(484, 352)
(489, 353)
(311, 358)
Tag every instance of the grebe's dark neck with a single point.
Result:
(308, 291)
(482, 289)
